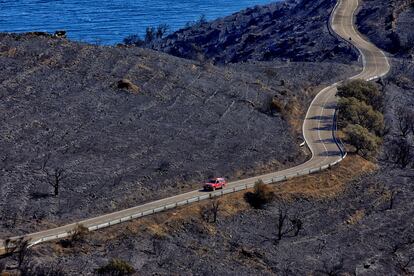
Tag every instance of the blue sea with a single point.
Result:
(109, 21)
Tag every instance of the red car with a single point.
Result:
(215, 183)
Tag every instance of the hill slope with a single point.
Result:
(179, 123)
(295, 30)
(389, 26)
(356, 220)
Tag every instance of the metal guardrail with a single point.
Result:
(192, 200)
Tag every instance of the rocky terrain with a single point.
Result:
(293, 30)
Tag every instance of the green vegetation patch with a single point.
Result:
(360, 116)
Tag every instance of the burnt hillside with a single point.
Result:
(171, 124)
(295, 30)
(389, 25)
(356, 219)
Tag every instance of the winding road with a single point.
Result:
(318, 131)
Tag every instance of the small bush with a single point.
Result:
(261, 195)
(116, 267)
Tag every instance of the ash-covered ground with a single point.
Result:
(365, 227)
(178, 123)
(389, 25)
(358, 231)
(355, 219)
(294, 30)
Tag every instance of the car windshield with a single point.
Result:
(212, 181)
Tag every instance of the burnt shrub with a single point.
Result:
(261, 195)
(209, 213)
(150, 33)
(276, 106)
(77, 235)
(405, 121)
(116, 267)
(162, 30)
(134, 40)
(272, 105)
(400, 152)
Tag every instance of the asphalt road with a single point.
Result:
(318, 131)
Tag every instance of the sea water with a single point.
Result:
(109, 21)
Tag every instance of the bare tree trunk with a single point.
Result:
(215, 208)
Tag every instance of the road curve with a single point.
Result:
(318, 131)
